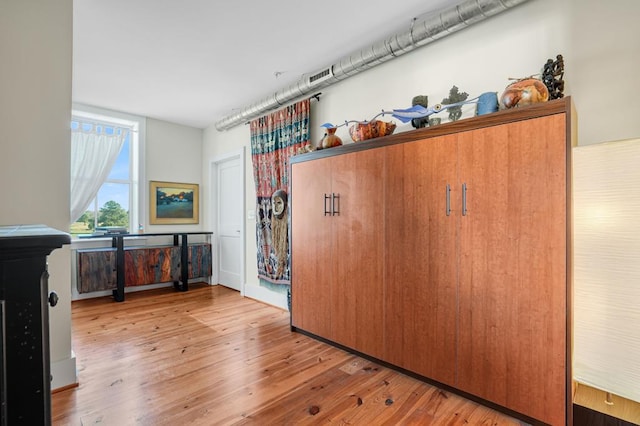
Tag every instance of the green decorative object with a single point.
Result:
(422, 100)
(455, 112)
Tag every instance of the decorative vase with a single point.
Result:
(524, 92)
(487, 103)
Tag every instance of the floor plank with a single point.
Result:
(211, 357)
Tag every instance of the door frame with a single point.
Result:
(214, 165)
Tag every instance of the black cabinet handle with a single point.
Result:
(448, 199)
(327, 211)
(464, 199)
(335, 204)
(53, 298)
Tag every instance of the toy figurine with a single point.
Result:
(552, 76)
(330, 139)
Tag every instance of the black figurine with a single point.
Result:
(552, 77)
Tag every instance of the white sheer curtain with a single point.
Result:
(94, 150)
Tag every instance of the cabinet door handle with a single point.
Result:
(464, 199)
(53, 298)
(326, 210)
(335, 204)
(448, 198)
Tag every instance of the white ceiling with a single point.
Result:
(194, 62)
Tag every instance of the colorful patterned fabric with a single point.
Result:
(274, 139)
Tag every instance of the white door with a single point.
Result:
(229, 186)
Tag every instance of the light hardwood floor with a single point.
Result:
(210, 357)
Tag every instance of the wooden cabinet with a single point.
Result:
(513, 267)
(200, 260)
(311, 251)
(149, 265)
(357, 247)
(117, 267)
(455, 255)
(420, 259)
(96, 270)
(339, 213)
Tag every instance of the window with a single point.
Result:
(111, 196)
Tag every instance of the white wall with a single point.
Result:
(600, 42)
(35, 112)
(172, 154)
(231, 141)
(604, 62)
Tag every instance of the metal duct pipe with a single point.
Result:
(419, 34)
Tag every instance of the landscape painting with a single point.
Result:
(173, 203)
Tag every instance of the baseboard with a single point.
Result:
(65, 388)
(64, 373)
(264, 295)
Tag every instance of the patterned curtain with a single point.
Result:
(274, 139)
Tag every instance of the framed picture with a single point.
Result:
(172, 203)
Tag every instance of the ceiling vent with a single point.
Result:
(321, 76)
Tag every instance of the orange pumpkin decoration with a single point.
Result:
(362, 131)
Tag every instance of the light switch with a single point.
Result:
(251, 214)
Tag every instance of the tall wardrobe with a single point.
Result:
(445, 252)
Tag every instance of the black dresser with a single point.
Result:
(25, 385)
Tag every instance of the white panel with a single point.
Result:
(231, 215)
(229, 259)
(606, 185)
(230, 223)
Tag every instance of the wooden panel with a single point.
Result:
(358, 251)
(420, 275)
(521, 113)
(513, 307)
(591, 399)
(96, 270)
(151, 265)
(199, 260)
(311, 266)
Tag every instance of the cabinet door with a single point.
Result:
(199, 256)
(512, 344)
(311, 265)
(151, 265)
(420, 277)
(358, 251)
(96, 270)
